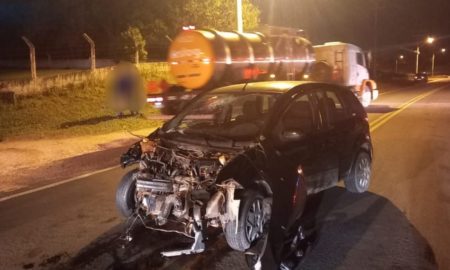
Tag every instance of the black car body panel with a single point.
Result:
(307, 138)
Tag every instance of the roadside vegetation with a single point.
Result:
(71, 110)
(24, 74)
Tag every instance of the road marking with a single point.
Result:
(57, 183)
(374, 122)
(400, 88)
(385, 118)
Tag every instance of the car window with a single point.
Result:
(252, 104)
(232, 115)
(360, 59)
(331, 108)
(299, 116)
(353, 104)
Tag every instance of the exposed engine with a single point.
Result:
(180, 186)
(184, 189)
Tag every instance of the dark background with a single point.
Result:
(386, 27)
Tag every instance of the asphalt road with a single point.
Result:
(76, 224)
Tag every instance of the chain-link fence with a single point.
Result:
(149, 71)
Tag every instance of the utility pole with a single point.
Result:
(240, 24)
(92, 45)
(136, 57)
(417, 59)
(375, 40)
(432, 65)
(32, 57)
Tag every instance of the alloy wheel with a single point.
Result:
(363, 173)
(255, 221)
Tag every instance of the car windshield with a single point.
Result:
(224, 115)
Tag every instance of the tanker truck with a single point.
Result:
(201, 59)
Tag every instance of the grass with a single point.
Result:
(70, 111)
(156, 71)
(20, 74)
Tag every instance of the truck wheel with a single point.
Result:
(321, 72)
(251, 222)
(366, 96)
(358, 179)
(125, 194)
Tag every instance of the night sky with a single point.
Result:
(401, 23)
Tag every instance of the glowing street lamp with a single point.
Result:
(429, 40)
(400, 57)
(443, 50)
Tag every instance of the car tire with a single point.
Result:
(358, 180)
(125, 194)
(251, 210)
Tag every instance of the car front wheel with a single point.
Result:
(250, 224)
(125, 194)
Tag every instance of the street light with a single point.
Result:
(400, 57)
(429, 40)
(443, 50)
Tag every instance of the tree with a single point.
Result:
(217, 14)
(134, 43)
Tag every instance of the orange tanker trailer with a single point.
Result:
(205, 58)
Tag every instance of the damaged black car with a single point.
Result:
(244, 158)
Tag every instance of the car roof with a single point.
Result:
(268, 86)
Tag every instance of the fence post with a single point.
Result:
(32, 57)
(136, 57)
(92, 44)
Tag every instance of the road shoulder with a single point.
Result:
(29, 164)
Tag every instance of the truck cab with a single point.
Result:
(347, 66)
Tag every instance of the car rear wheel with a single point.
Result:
(359, 178)
(251, 221)
(125, 194)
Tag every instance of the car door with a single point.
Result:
(293, 157)
(299, 144)
(332, 132)
(356, 127)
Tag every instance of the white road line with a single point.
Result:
(56, 184)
